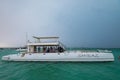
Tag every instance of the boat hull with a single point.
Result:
(66, 56)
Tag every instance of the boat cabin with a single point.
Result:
(40, 46)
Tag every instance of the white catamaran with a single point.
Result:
(56, 51)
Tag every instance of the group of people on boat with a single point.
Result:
(48, 49)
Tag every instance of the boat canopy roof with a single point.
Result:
(45, 37)
(44, 44)
(39, 42)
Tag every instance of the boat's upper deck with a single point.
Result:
(45, 44)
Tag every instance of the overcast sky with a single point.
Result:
(78, 23)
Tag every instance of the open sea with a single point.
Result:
(59, 70)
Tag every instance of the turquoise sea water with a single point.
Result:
(59, 70)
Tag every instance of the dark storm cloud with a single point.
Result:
(79, 23)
